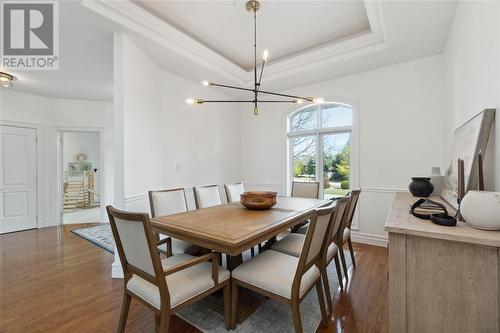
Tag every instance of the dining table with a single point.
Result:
(233, 229)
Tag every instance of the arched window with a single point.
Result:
(319, 147)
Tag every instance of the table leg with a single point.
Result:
(234, 261)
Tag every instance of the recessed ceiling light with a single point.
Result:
(6, 79)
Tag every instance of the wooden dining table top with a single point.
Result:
(231, 228)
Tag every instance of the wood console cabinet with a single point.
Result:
(441, 279)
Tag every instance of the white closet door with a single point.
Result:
(18, 204)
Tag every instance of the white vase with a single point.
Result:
(437, 180)
(481, 209)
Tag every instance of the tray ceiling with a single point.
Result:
(285, 29)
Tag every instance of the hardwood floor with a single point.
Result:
(54, 281)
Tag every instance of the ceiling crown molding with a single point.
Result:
(135, 19)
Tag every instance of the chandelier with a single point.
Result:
(6, 79)
(253, 6)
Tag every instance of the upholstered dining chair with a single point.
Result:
(165, 285)
(346, 227)
(233, 191)
(293, 244)
(168, 202)
(305, 190)
(287, 278)
(207, 196)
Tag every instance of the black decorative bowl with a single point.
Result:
(421, 186)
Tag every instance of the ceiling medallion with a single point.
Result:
(253, 6)
(6, 79)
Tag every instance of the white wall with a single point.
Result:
(472, 69)
(49, 115)
(168, 143)
(399, 134)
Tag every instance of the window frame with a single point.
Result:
(319, 132)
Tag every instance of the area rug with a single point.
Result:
(270, 317)
(99, 235)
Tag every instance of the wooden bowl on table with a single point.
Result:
(258, 200)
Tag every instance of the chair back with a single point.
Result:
(233, 191)
(352, 207)
(167, 202)
(305, 190)
(136, 244)
(315, 238)
(337, 219)
(207, 196)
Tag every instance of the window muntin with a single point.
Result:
(304, 120)
(320, 146)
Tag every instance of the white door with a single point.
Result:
(17, 179)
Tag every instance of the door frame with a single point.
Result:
(39, 160)
(57, 135)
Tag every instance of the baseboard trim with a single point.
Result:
(370, 239)
(116, 271)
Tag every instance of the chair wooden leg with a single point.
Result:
(228, 260)
(227, 305)
(234, 304)
(124, 312)
(349, 242)
(329, 300)
(344, 266)
(297, 323)
(260, 248)
(164, 321)
(252, 252)
(319, 291)
(339, 271)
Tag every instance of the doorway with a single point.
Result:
(18, 184)
(81, 177)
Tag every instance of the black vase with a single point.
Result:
(421, 187)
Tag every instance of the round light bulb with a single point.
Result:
(190, 101)
(318, 100)
(206, 83)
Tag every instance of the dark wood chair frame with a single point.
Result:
(153, 214)
(302, 268)
(332, 232)
(159, 280)
(350, 210)
(347, 221)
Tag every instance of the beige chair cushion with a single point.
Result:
(182, 285)
(233, 192)
(274, 272)
(305, 190)
(291, 244)
(346, 235)
(332, 250)
(208, 196)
